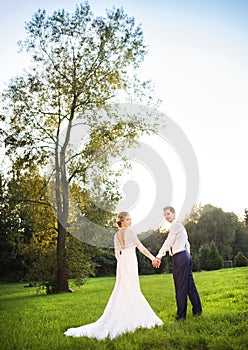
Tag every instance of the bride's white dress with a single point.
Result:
(127, 308)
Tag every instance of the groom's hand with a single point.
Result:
(156, 263)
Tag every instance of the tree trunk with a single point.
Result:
(62, 266)
(62, 200)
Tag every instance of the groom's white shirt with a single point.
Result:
(176, 241)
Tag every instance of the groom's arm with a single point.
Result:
(168, 243)
(165, 248)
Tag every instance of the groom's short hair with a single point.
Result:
(171, 209)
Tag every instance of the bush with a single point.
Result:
(214, 260)
(210, 258)
(203, 256)
(43, 271)
(240, 260)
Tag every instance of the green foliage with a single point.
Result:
(38, 321)
(214, 260)
(106, 263)
(10, 261)
(209, 257)
(203, 256)
(246, 218)
(240, 243)
(43, 271)
(28, 235)
(28, 226)
(208, 223)
(240, 260)
(214, 225)
(80, 262)
(196, 266)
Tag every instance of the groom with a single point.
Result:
(178, 246)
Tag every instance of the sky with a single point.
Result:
(198, 61)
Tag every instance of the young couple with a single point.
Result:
(127, 308)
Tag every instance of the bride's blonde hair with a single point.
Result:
(120, 217)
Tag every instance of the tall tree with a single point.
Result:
(80, 62)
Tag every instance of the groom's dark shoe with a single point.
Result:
(180, 318)
(197, 313)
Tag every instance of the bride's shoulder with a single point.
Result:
(119, 232)
(131, 235)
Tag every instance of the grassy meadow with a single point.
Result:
(31, 320)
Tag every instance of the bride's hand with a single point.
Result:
(156, 263)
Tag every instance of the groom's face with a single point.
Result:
(169, 216)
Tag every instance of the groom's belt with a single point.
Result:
(177, 252)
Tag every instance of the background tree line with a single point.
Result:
(28, 237)
(218, 239)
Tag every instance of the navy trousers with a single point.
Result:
(185, 285)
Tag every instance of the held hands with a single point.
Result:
(156, 262)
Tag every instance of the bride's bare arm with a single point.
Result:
(141, 247)
(145, 251)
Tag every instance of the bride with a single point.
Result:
(127, 308)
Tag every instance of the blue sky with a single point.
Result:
(198, 61)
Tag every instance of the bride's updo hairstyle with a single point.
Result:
(120, 217)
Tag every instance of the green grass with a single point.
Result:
(37, 321)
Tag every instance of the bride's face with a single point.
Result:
(126, 222)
